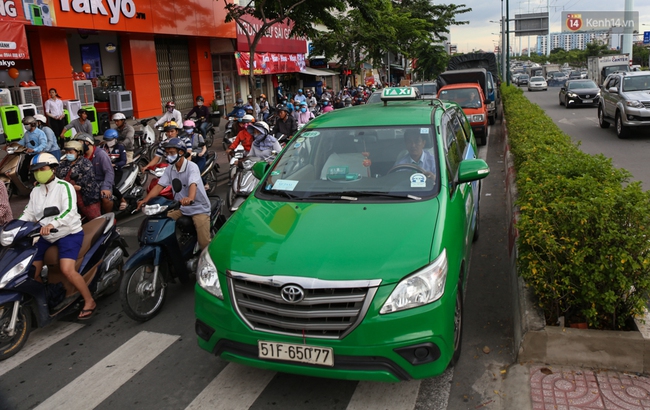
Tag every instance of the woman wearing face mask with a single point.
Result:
(263, 143)
(78, 170)
(326, 105)
(171, 114)
(117, 154)
(303, 115)
(52, 192)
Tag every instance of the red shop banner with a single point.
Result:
(13, 41)
(270, 63)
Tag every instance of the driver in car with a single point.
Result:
(416, 155)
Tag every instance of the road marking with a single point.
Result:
(38, 341)
(235, 387)
(104, 378)
(389, 396)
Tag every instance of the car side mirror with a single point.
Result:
(259, 169)
(562, 89)
(486, 101)
(612, 90)
(472, 170)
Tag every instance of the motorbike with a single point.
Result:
(209, 133)
(14, 172)
(147, 136)
(230, 134)
(168, 251)
(24, 299)
(210, 172)
(242, 180)
(158, 172)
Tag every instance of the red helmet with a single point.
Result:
(24, 84)
(31, 83)
(170, 104)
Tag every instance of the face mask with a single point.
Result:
(170, 109)
(189, 130)
(303, 109)
(70, 157)
(43, 176)
(200, 103)
(85, 147)
(172, 158)
(110, 143)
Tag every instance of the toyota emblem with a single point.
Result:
(587, 96)
(292, 294)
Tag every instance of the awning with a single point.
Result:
(319, 73)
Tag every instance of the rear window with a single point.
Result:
(431, 88)
(537, 79)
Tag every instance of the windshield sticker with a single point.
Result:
(275, 172)
(297, 145)
(310, 134)
(418, 181)
(424, 131)
(301, 139)
(285, 185)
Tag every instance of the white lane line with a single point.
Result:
(38, 341)
(236, 387)
(104, 378)
(388, 396)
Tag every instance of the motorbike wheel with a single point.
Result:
(209, 138)
(211, 179)
(230, 197)
(10, 345)
(142, 175)
(226, 138)
(138, 301)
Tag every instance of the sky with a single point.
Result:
(478, 33)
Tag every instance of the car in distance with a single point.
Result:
(579, 92)
(307, 277)
(537, 83)
(575, 75)
(625, 101)
(471, 99)
(523, 80)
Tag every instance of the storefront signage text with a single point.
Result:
(270, 63)
(8, 8)
(116, 7)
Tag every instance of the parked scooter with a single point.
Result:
(23, 299)
(14, 172)
(168, 251)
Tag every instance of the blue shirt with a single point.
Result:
(36, 140)
(427, 161)
(52, 145)
(300, 97)
(104, 173)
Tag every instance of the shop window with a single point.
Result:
(91, 55)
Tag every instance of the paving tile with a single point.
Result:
(564, 389)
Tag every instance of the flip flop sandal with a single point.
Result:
(86, 314)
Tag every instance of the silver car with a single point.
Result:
(537, 83)
(625, 101)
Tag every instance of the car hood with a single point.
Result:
(585, 91)
(330, 241)
(638, 95)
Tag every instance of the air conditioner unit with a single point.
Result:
(5, 97)
(83, 91)
(28, 95)
(72, 106)
(27, 110)
(121, 101)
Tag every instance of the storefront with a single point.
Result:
(159, 51)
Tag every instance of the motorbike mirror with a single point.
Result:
(259, 169)
(50, 211)
(177, 185)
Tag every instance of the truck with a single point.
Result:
(535, 71)
(598, 68)
(474, 61)
(547, 69)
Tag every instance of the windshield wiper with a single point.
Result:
(280, 192)
(355, 195)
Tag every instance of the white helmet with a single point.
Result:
(118, 116)
(264, 125)
(40, 117)
(247, 118)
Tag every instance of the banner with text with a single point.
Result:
(13, 42)
(270, 63)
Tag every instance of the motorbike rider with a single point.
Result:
(198, 144)
(202, 114)
(172, 130)
(239, 104)
(78, 170)
(303, 115)
(312, 103)
(125, 134)
(265, 109)
(347, 102)
(264, 144)
(34, 139)
(326, 105)
(254, 105)
(117, 154)
(285, 123)
(80, 124)
(51, 191)
(104, 173)
(243, 137)
(338, 103)
(52, 143)
(299, 97)
(193, 198)
(172, 114)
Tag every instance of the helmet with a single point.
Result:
(248, 107)
(118, 116)
(75, 145)
(260, 126)
(82, 111)
(29, 120)
(82, 136)
(239, 101)
(43, 159)
(248, 118)
(263, 96)
(347, 100)
(199, 98)
(240, 113)
(299, 90)
(175, 143)
(284, 108)
(171, 125)
(40, 117)
(170, 104)
(188, 124)
(250, 97)
(110, 134)
(325, 99)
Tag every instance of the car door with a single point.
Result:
(609, 99)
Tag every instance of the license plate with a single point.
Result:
(587, 101)
(296, 353)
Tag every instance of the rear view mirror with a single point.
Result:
(50, 211)
(613, 90)
(486, 101)
(259, 169)
(472, 170)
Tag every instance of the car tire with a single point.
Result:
(566, 103)
(560, 98)
(601, 118)
(458, 326)
(621, 130)
(492, 119)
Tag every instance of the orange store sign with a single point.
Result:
(116, 8)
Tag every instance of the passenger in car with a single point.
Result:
(416, 155)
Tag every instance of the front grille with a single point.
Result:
(646, 104)
(329, 309)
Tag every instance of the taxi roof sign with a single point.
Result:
(400, 93)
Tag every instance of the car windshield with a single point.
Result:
(374, 97)
(614, 68)
(523, 77)
(465, 97)
(537, 79)
(431, 88)
(636, 83)
(582, 85)
(358, 163)
(559, 74)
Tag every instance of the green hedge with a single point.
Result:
(583, 226)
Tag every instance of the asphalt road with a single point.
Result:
(113, 362)
(581, 123)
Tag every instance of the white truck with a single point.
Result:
(598, 68)
(547, 69)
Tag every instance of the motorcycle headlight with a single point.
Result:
(154, 209)
(15, 271)
(7, 237)
(423, 287)
(478, 118)
(207, 276)
(158, 172)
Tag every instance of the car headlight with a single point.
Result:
(478, 118)
(154, 209)
(207, 276)
(7, 237)
(423, 287)
(634, 104)
(491, 105)
(572, 95)
(15, 271)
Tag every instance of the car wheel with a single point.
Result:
(621, 130)
(566, 103)
(601, 118)
(458, 326)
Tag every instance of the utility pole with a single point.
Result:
(507, 68)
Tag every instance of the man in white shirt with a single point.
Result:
(172, 114)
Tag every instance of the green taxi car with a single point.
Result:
(350, 258)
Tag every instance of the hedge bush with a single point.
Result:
(583, 226)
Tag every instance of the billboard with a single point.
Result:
(587, 21)
(532, 24)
